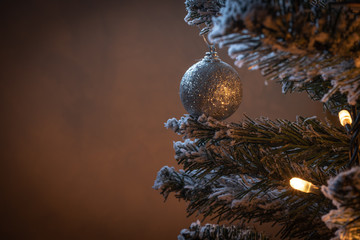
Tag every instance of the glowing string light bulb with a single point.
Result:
(302, 185)
(345, 117)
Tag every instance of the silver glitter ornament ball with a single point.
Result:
(211, 87)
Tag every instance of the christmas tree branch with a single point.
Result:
(214, 231)
(306, 141)
(249, 166)
(316, 90)
(200, 12)
(344, 191)
(242, 198)
(297, 44)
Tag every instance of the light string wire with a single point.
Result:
(354, 141)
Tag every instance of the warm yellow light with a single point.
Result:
(302, 185)
(344, 117)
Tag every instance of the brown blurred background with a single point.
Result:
(85, 89)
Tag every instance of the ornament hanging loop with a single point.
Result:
(210, 46)
(210, 56)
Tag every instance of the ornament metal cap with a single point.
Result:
(211, 56)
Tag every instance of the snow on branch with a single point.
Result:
(344, 191)
(243, 198)
(235, 171)
(201, 12)
(214, 231)
(307, 141)
(295, 43)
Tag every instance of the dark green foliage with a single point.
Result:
(217, 232)
(306, 141)
(240, 199)
(200, 12)
(241, 171)
(316, 89)
(297, 44)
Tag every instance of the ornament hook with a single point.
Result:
(210, 46)
(212, 49)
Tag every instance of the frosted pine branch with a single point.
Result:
(296, 44)
(344, 191)
(214, 231)
(307, 140)
(201, 12)
(268, 154)
(242, 198)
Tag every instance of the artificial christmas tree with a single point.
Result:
(239, 172)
